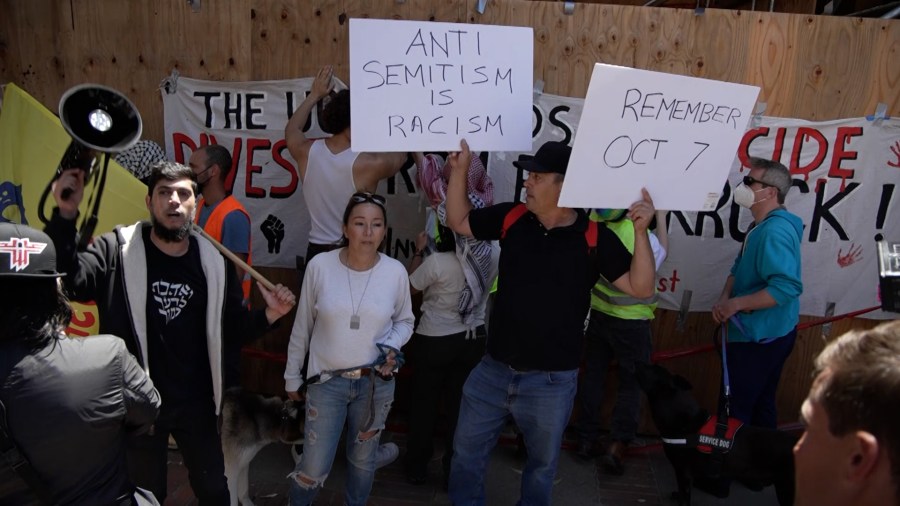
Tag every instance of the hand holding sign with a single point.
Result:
(642, 211)
(460, 160)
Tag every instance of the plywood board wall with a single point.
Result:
(809, 67)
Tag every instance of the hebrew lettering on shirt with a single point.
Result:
(171, 298)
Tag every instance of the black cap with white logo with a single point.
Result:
(26, 253)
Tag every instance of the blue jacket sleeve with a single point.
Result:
(779, 264)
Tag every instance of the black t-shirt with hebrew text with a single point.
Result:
(176, 324)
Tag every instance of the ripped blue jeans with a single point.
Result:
(328, 406)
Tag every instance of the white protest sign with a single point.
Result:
(423, 86)
(677, 136)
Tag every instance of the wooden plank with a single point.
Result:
(32, 38)
(296, 38)
(129, 46)
(108, 51)
(446, 11)
(785, 6)
(826, 72)
(881, 83)
(771, 60)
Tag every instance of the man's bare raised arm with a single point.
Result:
(297, 143)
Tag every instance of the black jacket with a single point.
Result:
(113, 273)
(69, 409)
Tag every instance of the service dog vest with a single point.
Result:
(706, 440)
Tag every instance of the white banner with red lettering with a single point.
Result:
(846, 175)
(846, 178)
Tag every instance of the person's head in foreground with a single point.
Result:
(850, 452)
(35, 310)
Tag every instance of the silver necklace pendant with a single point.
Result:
(354, 317)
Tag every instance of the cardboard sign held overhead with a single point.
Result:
(677, 136)
(423, 86)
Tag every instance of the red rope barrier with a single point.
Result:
(661, 356)
(807, 325)
(658, 356)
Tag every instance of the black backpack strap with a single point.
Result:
(11, 457)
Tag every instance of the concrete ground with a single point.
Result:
(648, 480)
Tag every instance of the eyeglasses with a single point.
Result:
(749, 180)
(361, 197)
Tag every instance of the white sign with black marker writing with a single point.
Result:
(675, 135)
(423, 86)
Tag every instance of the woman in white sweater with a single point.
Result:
(354, 316)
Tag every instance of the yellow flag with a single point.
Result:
(32, 141)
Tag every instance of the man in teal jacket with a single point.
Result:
(763, 291)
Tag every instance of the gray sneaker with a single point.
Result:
(385, 454)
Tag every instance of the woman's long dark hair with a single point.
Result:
(35, 312)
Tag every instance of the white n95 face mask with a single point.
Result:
(744, 196)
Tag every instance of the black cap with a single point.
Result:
(26, 253)
(553, 156)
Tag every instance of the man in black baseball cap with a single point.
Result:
(551, 257)
(70, 441)
(553, 156)
(546, 171)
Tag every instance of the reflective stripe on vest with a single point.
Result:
(606, 299)
(214, 225)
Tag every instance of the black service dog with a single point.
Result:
(757, 455)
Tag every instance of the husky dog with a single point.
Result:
(250, 422)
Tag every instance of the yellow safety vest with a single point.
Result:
(607, 299)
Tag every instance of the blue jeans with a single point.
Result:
(754, 370)
(328, 406)
(540, 402)
(629, 342)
